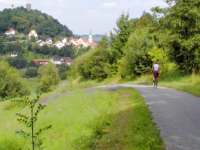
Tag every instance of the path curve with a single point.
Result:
(177, 115)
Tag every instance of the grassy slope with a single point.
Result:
(80, 118)
(132, 127)
(8, 126)
(190, 83)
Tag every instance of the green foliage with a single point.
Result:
(11, 83)
(120, 37)
(136, 60)
(29, 121)
(31, 72)
(18, 62)
(182, 20)
(24, 20)
(8, 46)
(48, 76)
(157, 54)
(80, 51)
(95, 64)
(67, 51)
(170, 35)
(63, 71)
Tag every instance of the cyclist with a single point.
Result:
(155, 70)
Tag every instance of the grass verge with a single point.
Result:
(85, 119)
(189, 83)
(132, 127)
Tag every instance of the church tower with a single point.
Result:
(90, 38)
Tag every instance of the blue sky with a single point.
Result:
(81, 16)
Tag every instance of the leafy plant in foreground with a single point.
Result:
(29, 120)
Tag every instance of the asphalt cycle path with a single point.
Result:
(177, 115)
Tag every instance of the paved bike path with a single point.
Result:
(177, 115)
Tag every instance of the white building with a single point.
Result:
(65, 41)
(62, 60)
(13, 55)
(59, 44)
(32, 34)
(10, 32)
(56, 61)
(49, 41)
(41, 43)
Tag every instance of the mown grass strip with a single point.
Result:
(132, 127)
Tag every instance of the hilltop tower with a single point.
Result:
(12, 4)
(28, 6)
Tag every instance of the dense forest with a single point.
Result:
(168, 35)
(24, 20)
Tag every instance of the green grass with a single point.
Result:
(132, 127)
(32, 84)
(187, 83)
(190, 84)
(81, 118)
(8, 125)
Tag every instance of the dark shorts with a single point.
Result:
(156, 74)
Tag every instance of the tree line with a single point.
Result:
(170, 35)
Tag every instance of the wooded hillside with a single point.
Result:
(24, 20)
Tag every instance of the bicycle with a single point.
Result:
(155, 79)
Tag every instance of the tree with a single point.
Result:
(18, 62)
(29, 121)
(182, 20)
(96, 63)
(67, 51)
(48, 76)
(63, 70)
(11, 83)
(136, 60)
(120, 37)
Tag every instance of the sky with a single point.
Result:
(84, 16)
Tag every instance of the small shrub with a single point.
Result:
(63, 70)
(11, 83)
(18, 62)
(29, 120)
(48, 76)
(31, 72)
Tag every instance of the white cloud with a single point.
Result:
(109, 4)
(5, 1)
(16, 2)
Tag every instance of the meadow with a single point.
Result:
(84, 119)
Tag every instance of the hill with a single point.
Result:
(24, 20)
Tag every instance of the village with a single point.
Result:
(76, 42)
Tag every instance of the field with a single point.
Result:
(87, 119)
